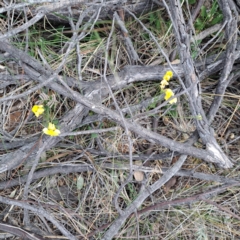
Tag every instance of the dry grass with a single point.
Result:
(85, 210)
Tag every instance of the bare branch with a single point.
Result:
(114, 228)
(39, 211)
(191, 79)
(23, 27)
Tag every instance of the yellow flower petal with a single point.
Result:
(51, 126)
(169, 73)
(163, 84)
(51, 130)
(168, 94)
(38, 110)
(166, 77)
(174, 100)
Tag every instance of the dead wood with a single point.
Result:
(88, 95)
(57, 12)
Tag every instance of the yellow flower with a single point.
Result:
(168, 75)
(168, 94)
(38, 110)
(51, 130)
(163, 84)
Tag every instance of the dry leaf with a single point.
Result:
(80, 182)
(14, 119)
(169, 184)
(139, 176)
(176, 61)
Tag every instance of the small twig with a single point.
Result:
(213, 38)
(130, 143)
(230, 119)
(23, 27)
(39, 211)
(115, 200)
(129, 45)
(230, 57)
(72, 168)
(29, 180)
(114, 228)
(177, 202)
(28, 92)
(196, 11)
(17, 231)
(64, 169)
(173, 145)
(74, 29)
(222, 208)
(191, 78)
(207, 32)
(89, 132)
(15, 6)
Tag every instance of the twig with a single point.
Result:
(17, 231)
(23, 27)
(88, 132)
(151, 136)
(222, 208)
(70, 121)
(38, 211)
(114, 228)
(191, 78)
(29, 180)
(15, 6)
(27, 92)
(213, 38)
(130, 143)
(231, 32)
(64, 169)
(177, 202)
(207, 32)
(129, 45)
(196, 11)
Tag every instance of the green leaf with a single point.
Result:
(203, 13)
(214, 8)
(152, 18)
(199, 25)
(94, 135)
(153, 104)
(217, 19)
(55, 122)
(3, 17)
(191, 1)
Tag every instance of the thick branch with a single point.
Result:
(191, 79)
